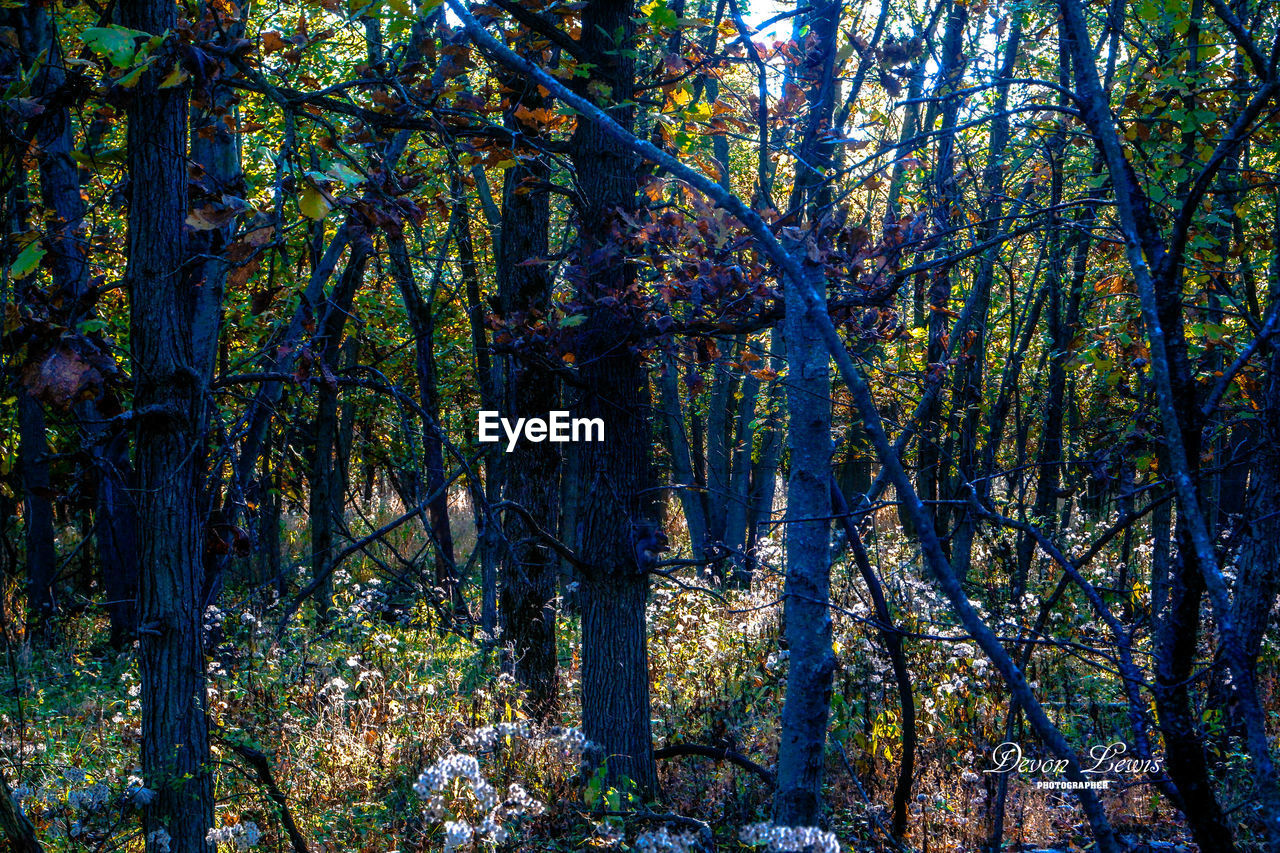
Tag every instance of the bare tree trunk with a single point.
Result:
(528, 581)
(615, 474)
(37, 510)
(327, 486)
(678, 448)
(169, 418)
(806, 613)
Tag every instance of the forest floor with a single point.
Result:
(348, 717)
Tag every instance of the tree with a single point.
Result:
(616, 476)
(169, 423)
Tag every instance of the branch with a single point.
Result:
(262, 769)
(544, 28)
(719, 753)
(931, 545)
(1245, 41)
(17, 829)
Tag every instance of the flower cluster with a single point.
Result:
(570, 742)
(88, 799)
(486, 738)
(241, 836)
(662, 841)
(788, 839)
(435, 779)
(487, 812)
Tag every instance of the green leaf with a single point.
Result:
(128, 81)
(115, 43)
(346, 174)
(28, 260)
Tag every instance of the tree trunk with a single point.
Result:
(615, 474)
(37, 510)
(806, 612)
(798, 798)
(169, 418)
(327, 486)
(528, 580)
(678, 448)
(18, 831)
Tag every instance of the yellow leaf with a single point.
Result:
(176, 77)
(313, 204)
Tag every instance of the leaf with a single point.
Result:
(272, 42)
(313, 204)
(129, 80)
(28, 260)
(211, 216)
(346, 174)
(115, 43)
(176, 77)
(73, 369)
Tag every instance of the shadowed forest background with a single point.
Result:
(936, 348)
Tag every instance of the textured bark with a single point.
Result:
(806, 613)
(529, 568)
(37, 511)
(807, 618)
(169, 417)
(615, 474)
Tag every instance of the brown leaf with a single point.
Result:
(73, 369)
(272, 42)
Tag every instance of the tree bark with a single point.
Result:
(169, 418)
(37, 510)
(532, 470)
(327, 486)
(615, 473)
(806, 611)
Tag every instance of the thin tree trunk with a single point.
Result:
(327, 487)
(806, 613)
(37, 510)
(891, 637)
(678, 448)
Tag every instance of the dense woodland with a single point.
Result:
(935, 347)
